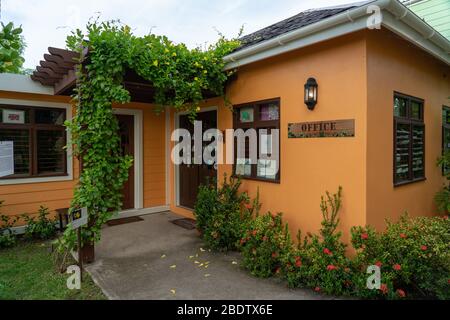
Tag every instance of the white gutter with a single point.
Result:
(22, 83)
(343, 23)
(411, 19)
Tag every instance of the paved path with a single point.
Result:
(155, 259)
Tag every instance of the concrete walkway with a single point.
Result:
(155, 259)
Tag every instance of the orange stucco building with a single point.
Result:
(387, 81)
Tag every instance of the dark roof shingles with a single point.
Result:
(298, 21)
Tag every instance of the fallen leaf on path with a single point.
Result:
(234, 262)
(191, 257)
(196, 262)
(173, 267)
(202, 250)
(201, 264)
(163, 256)
(173, 291)
(207, 275)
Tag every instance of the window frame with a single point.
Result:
(445, 126)
(67, 175)
(409, 120)
(257, 124)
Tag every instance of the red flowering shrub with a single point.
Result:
(414, 257)
(264, 243)
(319, 261)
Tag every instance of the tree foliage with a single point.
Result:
(12, 46)
(180, 77)
(442, 198)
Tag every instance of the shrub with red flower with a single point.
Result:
(364, 236)
(401, 293)
(318, 253)
(425, 275)
(397, 267)
(270, 241)
(384, 288)
(331, 267)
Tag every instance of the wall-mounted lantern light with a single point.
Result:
(311, 91)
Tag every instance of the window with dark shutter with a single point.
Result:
(39, 137)
(446, 133)
(409, 139)
(264, 117)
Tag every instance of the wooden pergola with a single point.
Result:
(58, 70)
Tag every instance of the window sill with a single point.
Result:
(258, 179)
(58, 178)
(405, 183)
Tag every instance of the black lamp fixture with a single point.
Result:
(311, 91)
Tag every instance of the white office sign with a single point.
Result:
(6, 158)
(13, 116)
(78, 218)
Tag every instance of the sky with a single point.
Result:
(193, 22)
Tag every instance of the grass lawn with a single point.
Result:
(27, 273)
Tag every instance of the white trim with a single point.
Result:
(22, 83)
(33, 103)
(168, 157)
(307, 40)
(177, 168)
(408, 25)
(141, 212)
(138, 154)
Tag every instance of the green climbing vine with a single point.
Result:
(12, 47)
(180, 77)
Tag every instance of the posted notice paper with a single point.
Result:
(6, 158)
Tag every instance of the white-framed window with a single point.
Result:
(36, 132)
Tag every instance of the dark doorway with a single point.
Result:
(126, 129)
(192, 176)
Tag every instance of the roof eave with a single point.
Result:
(396, 18)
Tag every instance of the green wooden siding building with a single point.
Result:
(435, 12)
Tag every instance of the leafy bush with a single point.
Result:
(319, 262)
(218, 212)
(7, 237)
(264, 244)
(41, 229)
(442, 198)
(413, 255)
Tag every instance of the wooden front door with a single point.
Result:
(126, 131)
(192, 176)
